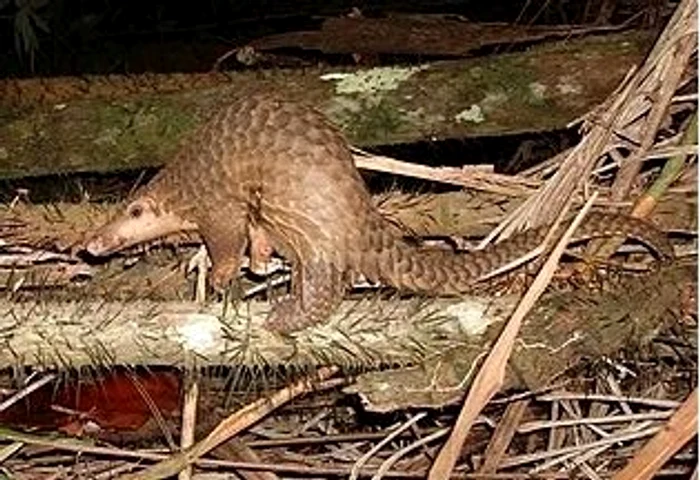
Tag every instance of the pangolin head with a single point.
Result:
(144, 219)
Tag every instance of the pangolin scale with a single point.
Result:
(263, 164)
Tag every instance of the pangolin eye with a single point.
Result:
(135, 211)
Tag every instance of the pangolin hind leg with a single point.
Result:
(260, 249)
(317, 290)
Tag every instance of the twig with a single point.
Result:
(677, 432)
(503, 435)
(189, 415)
(581, 457)
(635, 417)
(472, 177)
(26, 391)
(534, 457)
(230, 426)
(597, 397)
(671, 171)
(85, 448)
(384, 468)
(355, 471)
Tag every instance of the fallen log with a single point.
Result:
(102, 124)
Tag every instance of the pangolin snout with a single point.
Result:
(100, 244)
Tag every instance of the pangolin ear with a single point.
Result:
(152, 205)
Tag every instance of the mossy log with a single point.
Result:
(102, 124)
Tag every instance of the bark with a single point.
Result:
(97, 333)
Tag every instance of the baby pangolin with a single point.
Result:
(277, 171)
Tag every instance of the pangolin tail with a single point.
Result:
(397, 262)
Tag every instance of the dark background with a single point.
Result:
(74, 37)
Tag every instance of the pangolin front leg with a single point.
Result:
(225, 243)
(317, 290)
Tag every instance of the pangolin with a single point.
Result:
(279, 173)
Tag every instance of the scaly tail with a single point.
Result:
(394, 261)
